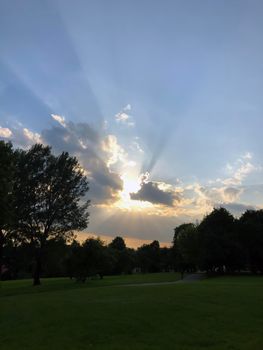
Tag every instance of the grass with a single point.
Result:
(52, 284)
(219, 313)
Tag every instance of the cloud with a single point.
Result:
(155, 192)
(59, 119)
(81, 140)
(218, 194)
(84, 142)
(124, 118)
(32, 137)
(131, 163)
(237, 209)
(5, 133)
(247, 155)
(104, 160)
(20, 136)
(230, 194)
(226, 191)
(121, 117)
(240, 170)
(135, 146)
(127, 107)
(113, 149)
(113, 221)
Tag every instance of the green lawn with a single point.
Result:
(219, 313)
(52, 284)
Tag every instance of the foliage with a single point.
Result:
(185, 247)
(47, 194)
(123, 258)
(89, 259)
(251, 236)
(149, 257)
(213, 239)
(220, 243)
(6, 197)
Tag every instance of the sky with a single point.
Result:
(161, 101)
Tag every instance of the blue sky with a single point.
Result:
(162, 99)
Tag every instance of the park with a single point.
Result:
(204, 291)
(217, 313)
(131, 167)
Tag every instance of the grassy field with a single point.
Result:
(219, 313)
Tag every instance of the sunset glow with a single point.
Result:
(165, 116)
(131, 185)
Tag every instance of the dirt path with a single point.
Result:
(195, 277)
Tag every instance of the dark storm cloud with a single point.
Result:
(150, 192)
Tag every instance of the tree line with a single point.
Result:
(43, 200)
(221, 243)
(87, 260)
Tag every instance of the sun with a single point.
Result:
(131, 184)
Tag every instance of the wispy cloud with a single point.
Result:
(226, 192)
(32, 137)
(60, 119)
(124, 118)
(127, 107)
(135, 146)
(240, 170)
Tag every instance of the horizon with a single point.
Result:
(162, 104)
(130, 242)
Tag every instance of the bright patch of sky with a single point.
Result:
(160, 100)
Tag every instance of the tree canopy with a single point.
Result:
(47, 198)
(6, 197)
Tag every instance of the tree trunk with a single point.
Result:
(38, 267)
(2, 239)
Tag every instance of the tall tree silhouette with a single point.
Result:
(215, 241)
(6, 184)
(123, 257)
(48, 192)
(149, 257)
(251, 235)
(184, 249)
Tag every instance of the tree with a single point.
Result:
(48, 191)
(216, 241)
(251, 236)
(6, 198)
(95, 257)
(185, 248)
(55, 257)
(123, 257)
(166, 263)
(118, 243)
(88, 259)
(149, 257)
